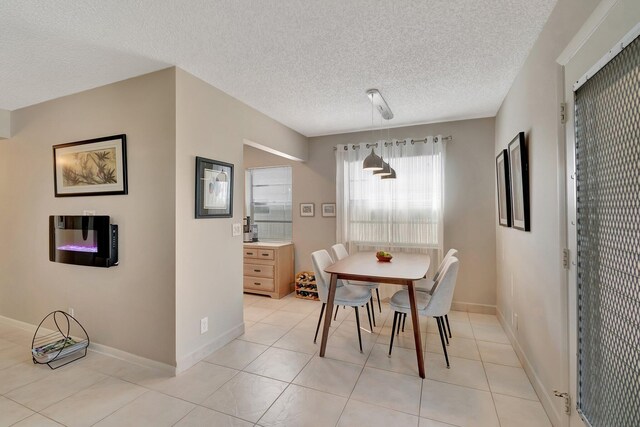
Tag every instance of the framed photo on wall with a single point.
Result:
(519, 174)
(94, 167)
(307, 209)
(214, 189)
(328, 209)
(504, 189)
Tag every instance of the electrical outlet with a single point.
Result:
(88, 213)
(71, 312)
(204, 325)
(237, 229)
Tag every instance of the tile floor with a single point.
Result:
(272, 376)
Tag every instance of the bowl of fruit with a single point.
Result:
(384, 256)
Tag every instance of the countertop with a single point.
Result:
(268, 244)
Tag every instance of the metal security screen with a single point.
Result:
(608, 229)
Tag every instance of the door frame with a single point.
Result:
(592, 24)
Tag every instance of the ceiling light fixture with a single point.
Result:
(380, 104)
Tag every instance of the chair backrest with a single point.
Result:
(450, 253)
(442, 295)
(338, 251)
(322, 260)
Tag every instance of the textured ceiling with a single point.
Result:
(306, 63)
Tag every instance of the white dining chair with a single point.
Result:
(435, 305)
(351, 296)
(339, 251)
(426, 285)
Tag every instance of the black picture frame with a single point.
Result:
(519, 174)
(504, 188)
(93, 167)
(214, 188)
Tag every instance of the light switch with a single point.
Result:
(237, 229)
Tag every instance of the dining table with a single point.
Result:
(403, 269)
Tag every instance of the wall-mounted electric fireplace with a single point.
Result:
(83, 240)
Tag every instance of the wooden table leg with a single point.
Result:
(416, 327)
(328, 315)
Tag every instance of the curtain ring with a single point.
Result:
(435, 139)
(346, 147)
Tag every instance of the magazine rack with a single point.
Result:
(59, 339)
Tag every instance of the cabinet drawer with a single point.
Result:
(259, 283)
(257, 270)
(265, 253)
(251, 253)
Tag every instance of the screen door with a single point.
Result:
(607, 115)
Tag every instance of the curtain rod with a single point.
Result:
(398, 142)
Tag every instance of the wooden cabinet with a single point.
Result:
(268, 269)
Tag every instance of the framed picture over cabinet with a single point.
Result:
(214, 189)
(519, 174)
(504, 189)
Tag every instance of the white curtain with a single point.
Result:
(396, 215)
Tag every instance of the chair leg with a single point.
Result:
(442, 335)
(378, 295)
(336, 313)
(319, 321)
(399, 323)
(446, 317)
(393, 331)
(373, 314)
(358, 325)
(369, 316)
(404, 320)
(444, 329)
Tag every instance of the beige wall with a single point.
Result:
(5, 124)
(211, 124)
(131, 306)
(469, 206)
(531, 281)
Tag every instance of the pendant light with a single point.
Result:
(372, 162)
(392, 175)
(385, 171)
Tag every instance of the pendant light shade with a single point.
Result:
(385, 171)
(392, 175)
(372, 162)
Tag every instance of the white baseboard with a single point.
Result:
(99, 348)
(473, 307)
(545, 398)
(196, 356)
(131, 358)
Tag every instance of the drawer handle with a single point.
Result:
(265, 254)
(257, 283)
(248, 253)
(257, 271)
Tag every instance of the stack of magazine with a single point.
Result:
(57, 349)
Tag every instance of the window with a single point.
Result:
(268, 202)
(405, 212)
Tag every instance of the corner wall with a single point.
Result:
(531, 281)
(212, 124)
(469, 191)
(130, 307)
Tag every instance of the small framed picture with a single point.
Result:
(307, 209)
(328, 209)
(214, 189)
